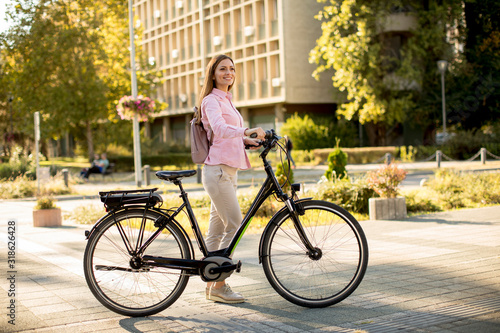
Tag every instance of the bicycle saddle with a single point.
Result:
(174, 175)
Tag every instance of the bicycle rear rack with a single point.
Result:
(115, 199)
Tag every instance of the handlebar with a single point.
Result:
(269, 142)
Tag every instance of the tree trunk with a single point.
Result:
(376, 134)
(90, 141)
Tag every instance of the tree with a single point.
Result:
(474, 93)
(69, 60)
(383, 83)
(310, 132)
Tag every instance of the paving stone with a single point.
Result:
(417, 281)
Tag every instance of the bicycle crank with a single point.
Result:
(218, 269)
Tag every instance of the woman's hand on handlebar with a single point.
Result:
(256, 133)
(252, 144)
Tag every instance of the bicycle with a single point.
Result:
(138, 257)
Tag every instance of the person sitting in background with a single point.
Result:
(94, 163)
(98, 166)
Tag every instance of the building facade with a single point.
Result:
(269, 41)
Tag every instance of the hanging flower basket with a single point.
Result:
(128, 107)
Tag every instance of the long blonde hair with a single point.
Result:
(209, 82)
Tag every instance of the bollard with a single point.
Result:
(147, 176)
(65, 177)
(483, 155)
(198, 174)
(388, 158)
(438, 158)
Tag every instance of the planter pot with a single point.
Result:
(47, 217)
(387, 208)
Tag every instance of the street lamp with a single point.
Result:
(442, 66)
(135, 121)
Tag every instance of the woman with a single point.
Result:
(227, 155)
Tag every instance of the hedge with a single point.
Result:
(357, 155)
(180, 160)
(360, 155)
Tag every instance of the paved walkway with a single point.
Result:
(432, 273)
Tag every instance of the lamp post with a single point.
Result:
(442, 66)
(135, 121)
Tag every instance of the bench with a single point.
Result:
(109, 171)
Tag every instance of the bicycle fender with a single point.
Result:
(271, 222)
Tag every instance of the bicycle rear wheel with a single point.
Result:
(113, 273)
(324, 279)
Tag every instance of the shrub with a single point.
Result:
(407, 154)
(21, 187)
(284, 175)
(386, 179)
(465, 144)
(351, 195)
(24, 187)
(358, 155)
(268, 208)
(304, 133)
(86, 214)
(45, 202)
(458, 190)
(19, 164)
(337, 161)
(180, 160)
(420, 201)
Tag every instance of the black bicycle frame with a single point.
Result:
(269, 187)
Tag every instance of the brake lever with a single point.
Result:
(252, 146)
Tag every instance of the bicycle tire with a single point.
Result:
(316, 282)
(110, 276)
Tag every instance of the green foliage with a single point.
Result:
(25, 187)
(378, 80)
(473, 96)
(337, 161)
(284, 174)
(69, 60)
(451, 190)
(464, 144)
(268, 208)
(86, 214)
(352, 195)
(419, 201)
(20, 187)
(304, 133)
(45, 203)
(18, 165)
(180, 160)
(307, 132)
(358, 155)
(407, 154)
(386, 179)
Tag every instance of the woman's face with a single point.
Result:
(224, 75)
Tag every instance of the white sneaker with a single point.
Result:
(224, 295)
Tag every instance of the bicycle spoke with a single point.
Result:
(322, 278)
(117, 277)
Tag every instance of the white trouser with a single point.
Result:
(225, 214)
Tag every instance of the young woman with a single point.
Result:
(227, 155)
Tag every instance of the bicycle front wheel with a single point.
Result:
(115, 274)
(330, 275)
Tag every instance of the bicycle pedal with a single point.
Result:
(238, 266)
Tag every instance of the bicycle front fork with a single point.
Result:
(296, 210)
